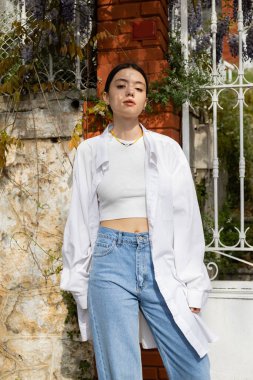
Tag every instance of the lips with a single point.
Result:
(129, 102)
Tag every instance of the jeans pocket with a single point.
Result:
(103, 245)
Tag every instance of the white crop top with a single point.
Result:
(121, 192)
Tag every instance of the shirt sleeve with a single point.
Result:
(76, 250)
(189, 243)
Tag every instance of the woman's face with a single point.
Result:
(127, 93)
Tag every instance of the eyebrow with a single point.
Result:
(125, 80)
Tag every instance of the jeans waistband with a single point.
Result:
(124, 235)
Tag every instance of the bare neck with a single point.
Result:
(127, 129)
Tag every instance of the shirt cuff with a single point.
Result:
(81, 301)
(84, 326)
(195, 298)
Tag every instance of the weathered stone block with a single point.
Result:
(36, 313)
(35, 194)
(30, 374)
(42, 115)
(32, 351)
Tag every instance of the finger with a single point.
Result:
(195, 310)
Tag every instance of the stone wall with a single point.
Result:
(35, 191)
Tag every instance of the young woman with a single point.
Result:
(133, 244)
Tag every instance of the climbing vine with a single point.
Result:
(180, 81)
(6, 141)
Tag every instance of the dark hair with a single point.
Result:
(122, 66)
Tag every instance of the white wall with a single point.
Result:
(229, 313)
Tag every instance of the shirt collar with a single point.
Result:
(102, 151)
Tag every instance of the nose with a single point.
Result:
(130, 92)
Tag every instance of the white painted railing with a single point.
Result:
(240, 85)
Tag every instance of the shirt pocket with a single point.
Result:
(104, 245)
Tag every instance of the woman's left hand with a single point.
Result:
(195, 310)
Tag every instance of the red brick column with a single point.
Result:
(136, 31)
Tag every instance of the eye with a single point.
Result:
(120, 86)
(139, 89)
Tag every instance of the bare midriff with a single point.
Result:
(127, 224)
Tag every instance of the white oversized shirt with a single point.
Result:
(175, 229)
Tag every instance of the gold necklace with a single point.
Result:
(126, 144)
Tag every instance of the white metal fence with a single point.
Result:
(239, 85)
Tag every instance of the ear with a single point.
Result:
(106, 98)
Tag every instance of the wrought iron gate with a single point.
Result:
(239, 85)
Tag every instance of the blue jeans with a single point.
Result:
(122, 281)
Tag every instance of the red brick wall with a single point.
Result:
(119, 18)
(152, 366)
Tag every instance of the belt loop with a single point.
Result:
(119, 241)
